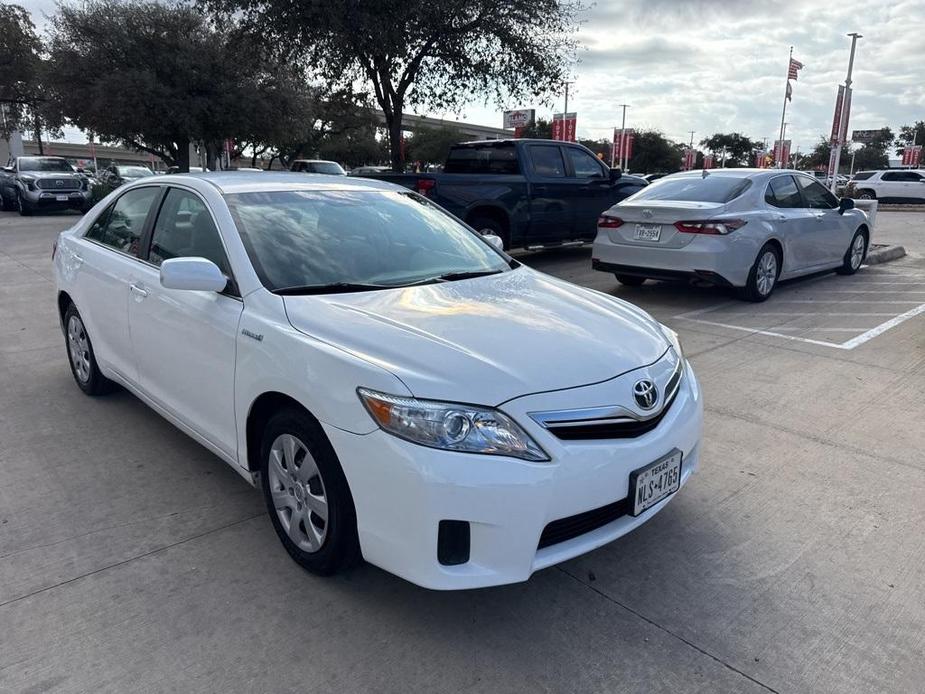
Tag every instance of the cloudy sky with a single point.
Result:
(720, 65)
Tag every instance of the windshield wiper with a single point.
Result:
(333, 288)
(452, 276)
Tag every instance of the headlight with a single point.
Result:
(673, 339)
(451, 426)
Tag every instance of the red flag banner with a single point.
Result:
(782, 152)
(912, 155)
(836, 121)
(557, 128)
(708, 161)
(564, 126)
(795, 67)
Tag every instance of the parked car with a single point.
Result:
(193, 169)
(371, 379)
(744, 228)
(118, 175)
(528, 192)
(896, 185)
(28, 184)
(318, 166)
(365, 170)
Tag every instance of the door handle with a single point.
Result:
(140, 292)
(77, 260)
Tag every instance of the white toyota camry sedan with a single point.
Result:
(399, 388)
(744, 228)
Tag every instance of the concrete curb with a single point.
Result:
(884, 254)
(901, 207)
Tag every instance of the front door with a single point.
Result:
(593, 191)
(552, 195)
(830, 235)
(793, 223)
(185, 340)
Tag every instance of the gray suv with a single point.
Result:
(32, 183)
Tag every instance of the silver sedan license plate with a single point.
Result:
(655, 481)
(647, 232)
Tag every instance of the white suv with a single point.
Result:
(895, 185)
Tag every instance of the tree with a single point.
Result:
(733, 149)
(541, 129)
(420, 53)
(430, 146)
(158, 76)
(654, 153)
(909, 134)
(819, 157)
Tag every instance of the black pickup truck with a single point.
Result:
(528, 192)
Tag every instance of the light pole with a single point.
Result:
(843, 116)
(622, 138)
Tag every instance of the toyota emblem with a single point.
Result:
(59, 183)
(646, 394)
(647, 213)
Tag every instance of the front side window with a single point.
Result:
(783, 192)
(121, 225)
(184, 229)
(817, 197)
(306, 240)
(585, 165)
(893, 176)
(547, 161)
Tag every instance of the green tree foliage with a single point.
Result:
(541, 129)
(733, 148)
(654, 153)
(420, 53)
(909, 134)
(819, 157)
(158, 76)
(431, 146)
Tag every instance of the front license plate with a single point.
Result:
(61, 198)
(647, 232)
(655, 481)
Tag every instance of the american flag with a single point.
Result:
(795, 66)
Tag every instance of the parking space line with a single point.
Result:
(883, 327)
(770, 333)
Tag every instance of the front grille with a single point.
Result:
(616, 427)
(62, 184)
(574, 526)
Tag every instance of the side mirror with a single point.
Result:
(494, 240)
(615, 175)
(844, 205)
(8, 169)
(197, 274)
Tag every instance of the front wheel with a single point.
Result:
(81, 357)
(762, 278)
(855, 254)
(307, 495)
(629, 280)
(25, 209)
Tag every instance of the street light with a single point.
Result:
(843, 116)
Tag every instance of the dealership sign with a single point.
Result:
(564, 126)
(864, 137)
(520, 118)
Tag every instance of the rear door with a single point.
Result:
(552, 194)
(793, 222)
(107, 257)
(892, 185)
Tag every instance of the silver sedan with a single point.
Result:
(743, 228)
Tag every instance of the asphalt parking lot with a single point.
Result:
(132, 560)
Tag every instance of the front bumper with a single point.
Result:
(723, 260)
(50, 198)
(402, 491)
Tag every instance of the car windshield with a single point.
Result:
(133, 171)
(695, 189)
(301, 241)
(44, 164)
(327, 167)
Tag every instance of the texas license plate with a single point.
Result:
(61, 198)
(647, 232)
(655, 481)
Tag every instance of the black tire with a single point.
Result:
(755, 288)
(5, 204)
(851, 262)
(867, 195)
(340, 548)
(487, 225)
(25, 209)
(79, 348)
(629, 280)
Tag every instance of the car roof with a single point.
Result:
(275, 181)
(739, 173)
(315, 161)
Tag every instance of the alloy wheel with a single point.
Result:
(767, 273)
(78, 347)
(298, 493)
(857, 252)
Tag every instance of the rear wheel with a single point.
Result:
(629, 280)
(80, 355)
(867, 195)
(855, 254)
(762, 278)
(306, 494)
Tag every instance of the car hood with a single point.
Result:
(67, 175)
(488, 339)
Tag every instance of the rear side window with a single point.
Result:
(817, 197)
(122, 223)
(547, 161)
(489, 159)
(863, 175)
(713, 188)
(894, 176)
(783, 192)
